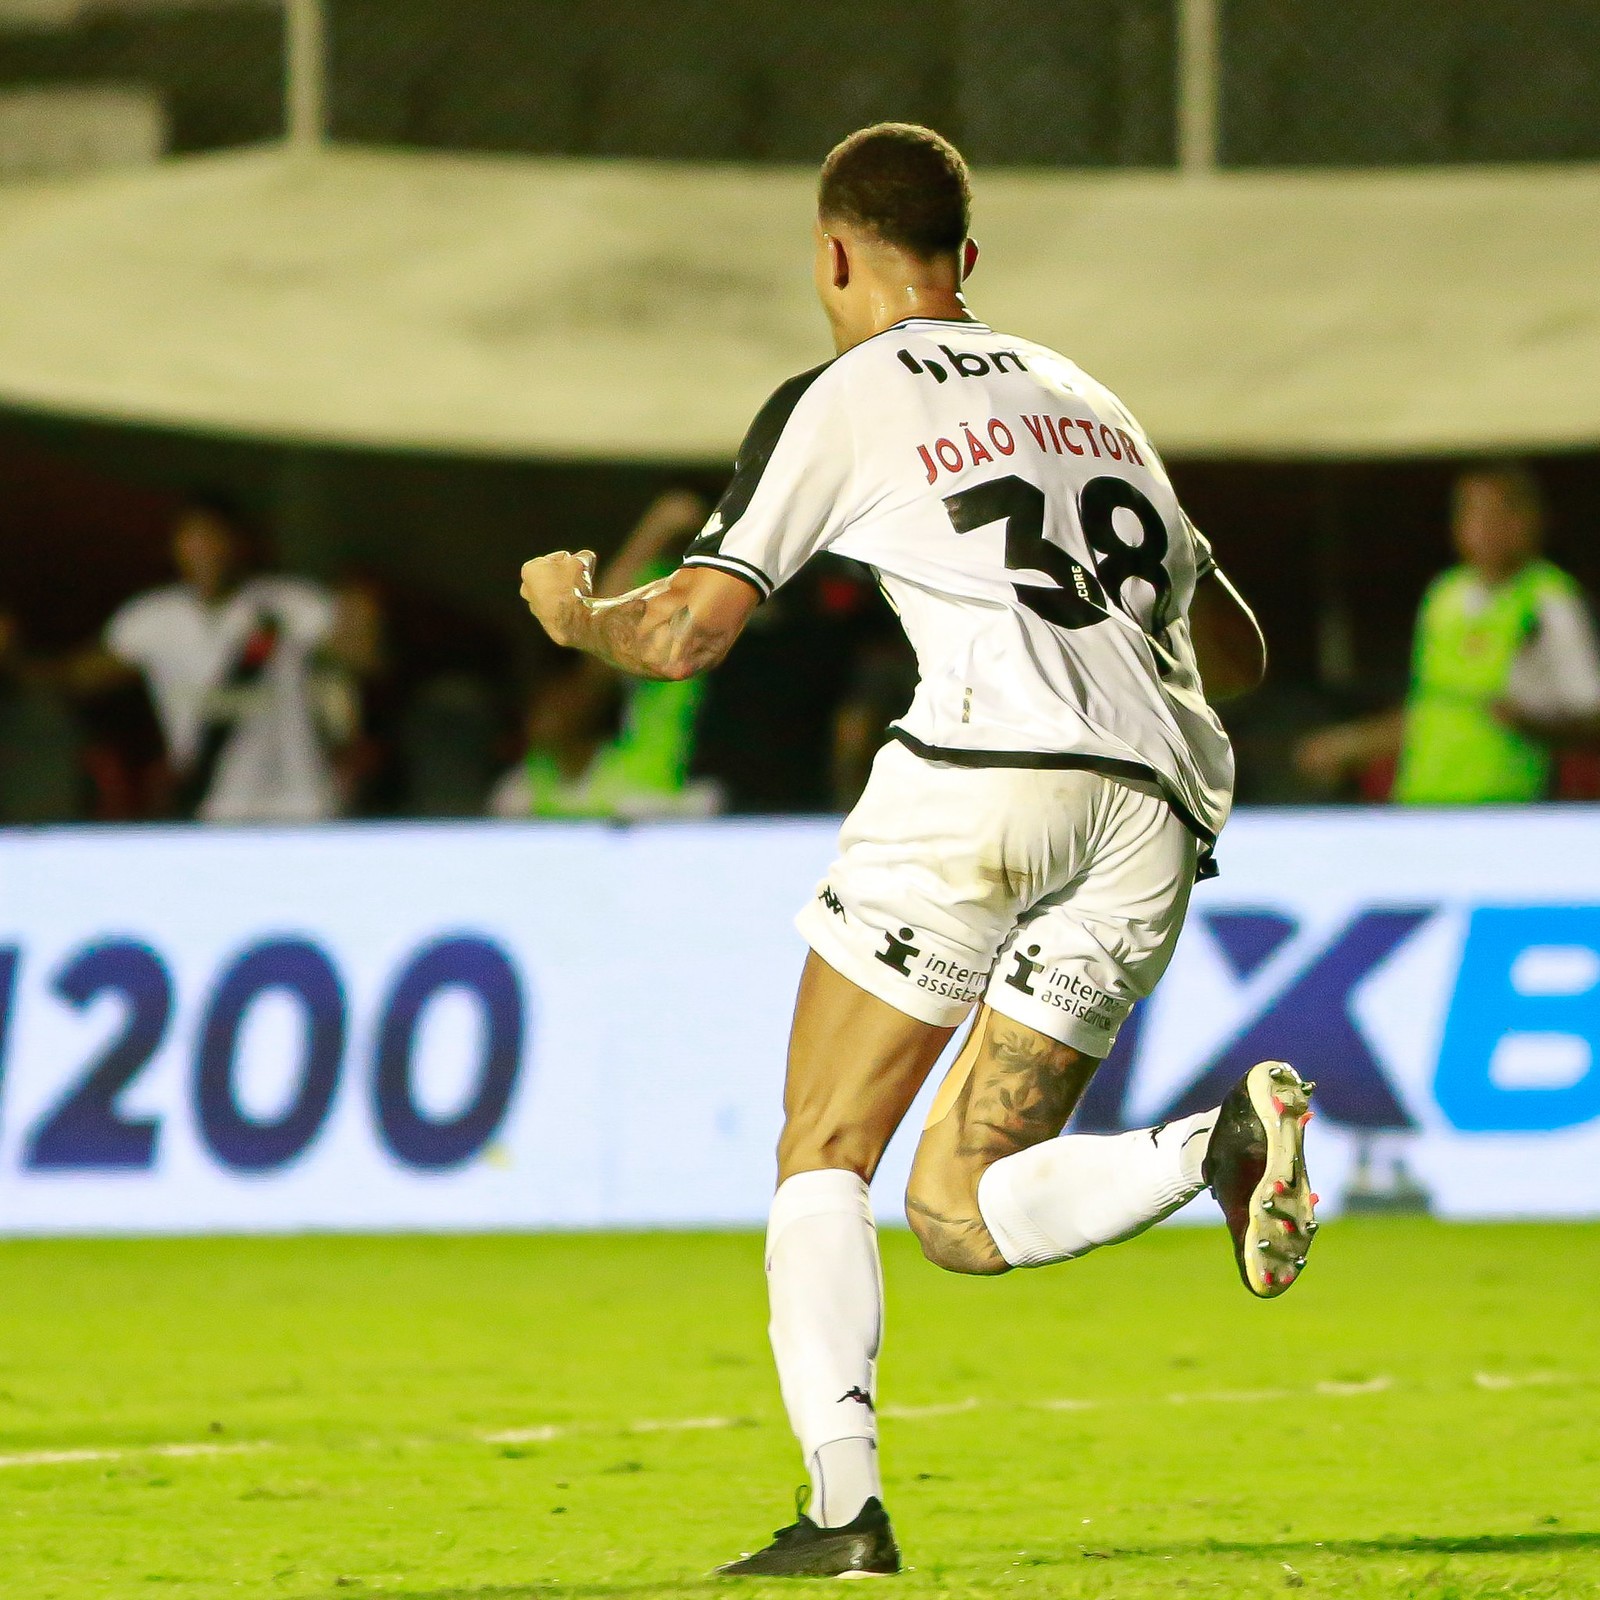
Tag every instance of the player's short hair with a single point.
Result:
(1516, 481)
(904, 183)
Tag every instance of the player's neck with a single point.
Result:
(891, 304)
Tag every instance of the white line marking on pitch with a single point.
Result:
(62, 1458)
(917, 1413)
(1371, 1386)
(1326, 1388)
(1231, 1396)
(544, 1433)
(683, 1425)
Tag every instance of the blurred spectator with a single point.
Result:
(794, 717)
(600, 745)
(359, 638)
(429, 715)
(41, 771)
(1505, 668)
(236, 665)
(881, 690)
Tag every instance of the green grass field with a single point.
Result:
(595, 1416)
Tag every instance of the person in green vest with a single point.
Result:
(1505, 668)
(584, 761)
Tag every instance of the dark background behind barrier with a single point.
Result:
(1028, 82)
(1335, 555)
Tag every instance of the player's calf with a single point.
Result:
(958, 1239)
(1010, 1089)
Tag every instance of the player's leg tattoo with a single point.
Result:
(1025, 1093)
(1012, 1088)
(993, 1187)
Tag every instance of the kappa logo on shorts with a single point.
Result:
(856, 1392)
(831, 900)
(1026, 970)
(897, 953)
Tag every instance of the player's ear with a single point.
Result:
(838, 262)
(969, 258)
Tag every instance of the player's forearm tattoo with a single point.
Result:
(1026, 1095)
(633, 636)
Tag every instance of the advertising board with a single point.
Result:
(519, 1026)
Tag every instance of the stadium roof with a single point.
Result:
(496, 305)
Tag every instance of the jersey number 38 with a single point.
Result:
(1080, 598)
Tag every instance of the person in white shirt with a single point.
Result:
(232, 664)
(1027, 842)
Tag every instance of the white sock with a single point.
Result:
(825, 1284)
(1068, 1196)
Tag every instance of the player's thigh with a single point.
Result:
(1080, 959)
(1062, 986)
(928, 882)
(855, 1065)
(903, 932)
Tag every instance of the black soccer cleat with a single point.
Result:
(864, 1548)
(1256, 1167)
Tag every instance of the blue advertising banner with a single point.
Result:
(507, 1026)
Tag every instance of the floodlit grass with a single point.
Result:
(1419, 1418)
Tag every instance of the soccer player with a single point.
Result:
(1027, 841)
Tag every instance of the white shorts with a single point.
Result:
(1054, 896)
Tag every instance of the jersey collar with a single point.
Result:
(941, 322)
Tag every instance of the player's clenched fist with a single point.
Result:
(555, 585)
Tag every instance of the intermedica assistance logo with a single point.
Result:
(945, 976)
(1518, 1034)
(1061, 987)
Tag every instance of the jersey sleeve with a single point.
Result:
(787, 499)
(1559, 672)
(1205, 560)
(306, 610)
(133, 634)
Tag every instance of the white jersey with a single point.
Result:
(271, 766)
(1025, 532)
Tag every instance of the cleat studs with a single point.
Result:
(1269, 1206)
(1309, 1086)
(1288, 1226)
(1316, 1199)
(1264, 1244)
(1311, 1229)
(1282, 1073)
(1280, 1187)
(1300, 1262)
